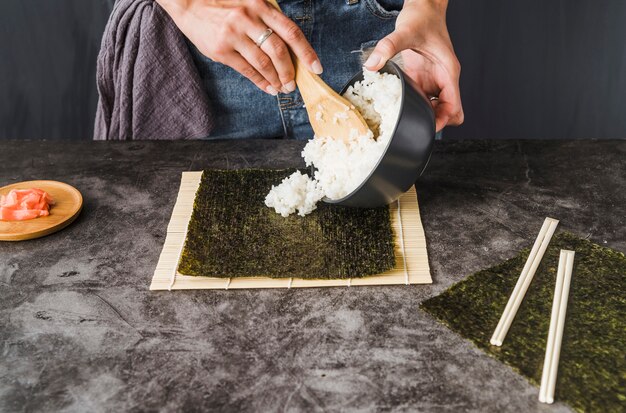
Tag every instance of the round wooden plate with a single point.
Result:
(67, 206)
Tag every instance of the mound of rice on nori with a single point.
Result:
(233, 234)
(592, 362)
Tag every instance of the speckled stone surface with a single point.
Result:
(80, 331)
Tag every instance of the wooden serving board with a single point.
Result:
(67, 206)
(410, 249)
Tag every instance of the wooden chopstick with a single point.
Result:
(528, 272)
(557, 323)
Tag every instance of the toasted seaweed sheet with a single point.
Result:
(233, 234)
(592, 367)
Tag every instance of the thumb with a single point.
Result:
(385, 49)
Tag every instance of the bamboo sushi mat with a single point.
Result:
(410, 250)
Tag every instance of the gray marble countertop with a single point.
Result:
(81, 332)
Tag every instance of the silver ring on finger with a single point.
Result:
(262, 38)
(433, 98)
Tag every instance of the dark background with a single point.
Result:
(531, 69)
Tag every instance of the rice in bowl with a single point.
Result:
(340, 167)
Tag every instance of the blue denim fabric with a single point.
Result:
(337, 30)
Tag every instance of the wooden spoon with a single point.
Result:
(330, 114)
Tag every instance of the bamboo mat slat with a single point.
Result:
(415, 255)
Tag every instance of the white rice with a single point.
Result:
(296, 192)
(341, 167)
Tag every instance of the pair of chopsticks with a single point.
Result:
(559, 306)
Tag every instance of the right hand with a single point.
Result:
(226, 30)
(422, 36)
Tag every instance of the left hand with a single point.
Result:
(422, 36)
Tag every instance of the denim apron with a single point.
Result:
(338, 30)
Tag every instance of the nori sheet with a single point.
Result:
(233, 234)
(592, 367)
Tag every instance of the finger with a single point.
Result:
(441, 117)
(261, 62)
(291, 34)
(457, 119)
(278, 51)
(385, 49)
(448, 108)
(241, 65)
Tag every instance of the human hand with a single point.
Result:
(226, 31)
(422, 37)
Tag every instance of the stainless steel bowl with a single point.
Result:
(407, 152)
